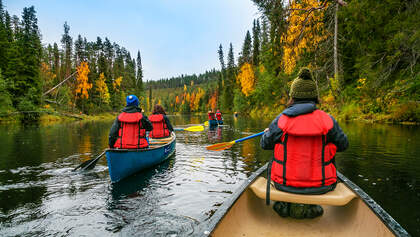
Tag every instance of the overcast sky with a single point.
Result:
(174, 36)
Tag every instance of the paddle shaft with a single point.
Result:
(249, 137)
(90, 163)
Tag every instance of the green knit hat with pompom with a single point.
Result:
(304, 86)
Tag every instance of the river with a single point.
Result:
(41, 195)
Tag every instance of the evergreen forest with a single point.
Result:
(364, 56)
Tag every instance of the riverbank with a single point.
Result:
(406, 113)
(52, 117)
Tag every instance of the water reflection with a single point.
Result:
(214, 133)
(40, 195)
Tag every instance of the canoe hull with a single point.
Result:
(245, 214)
(125, 162)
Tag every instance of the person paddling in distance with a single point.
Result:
(212, 119)
(305, 140)
(129, 129)
(161, 125)
(219, 117)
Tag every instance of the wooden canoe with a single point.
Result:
(348, 211)
(125, 162)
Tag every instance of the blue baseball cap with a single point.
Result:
(132, 100)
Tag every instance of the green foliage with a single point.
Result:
(409, 111)
(240, 102)
(6, 105)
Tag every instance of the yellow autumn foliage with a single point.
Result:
(102, 89)
(116, 83)
(195, 99)
(305, 31)
(46, 73)
(82, 84)
(246, 79)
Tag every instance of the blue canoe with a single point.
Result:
(125, 162)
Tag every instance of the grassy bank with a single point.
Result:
(56, 117)
(404, 113)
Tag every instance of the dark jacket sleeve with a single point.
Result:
(113, 133)
(337, 137)
(168, 123)
(272, 136)
(146, 123)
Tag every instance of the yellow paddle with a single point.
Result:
(226, 145)
(206, 123)
(198, 128)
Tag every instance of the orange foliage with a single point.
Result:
(213, 101)
(46, 73)
(246, 78)
(195, 99)
(82, 84)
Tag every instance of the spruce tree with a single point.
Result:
(4, 43)
(256, 31)
(79, 51)
(222, 73)
(27, 81)
(56, 64)
(229, 81)
(139, 78)
(246, 50)
(67, 42)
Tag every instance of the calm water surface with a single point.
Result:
(40, 195)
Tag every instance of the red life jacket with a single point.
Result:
(211, 116)
(303, 159)
(160, 128)
(219, 116)
(131, 135)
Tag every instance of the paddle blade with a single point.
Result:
(220, 146)
(195, 129)
(90, 164)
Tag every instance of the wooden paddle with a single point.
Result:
(226, 145)
(198, 128)
(90, 164)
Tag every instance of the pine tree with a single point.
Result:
(79, 50)
(246, 50)
(256, 31)
(56, 63)
(139, 76)
(4, 43)
(229, 81)
(222, 73)
(67, 42)
(27, 81)
(221, 58)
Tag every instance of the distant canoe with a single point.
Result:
(348, 211)
(125, 162)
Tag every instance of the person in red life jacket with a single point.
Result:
(161, 125)
(212, 119)
(219, 117)
(304, 140)
(129, 129)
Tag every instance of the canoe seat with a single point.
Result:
(340, 196)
